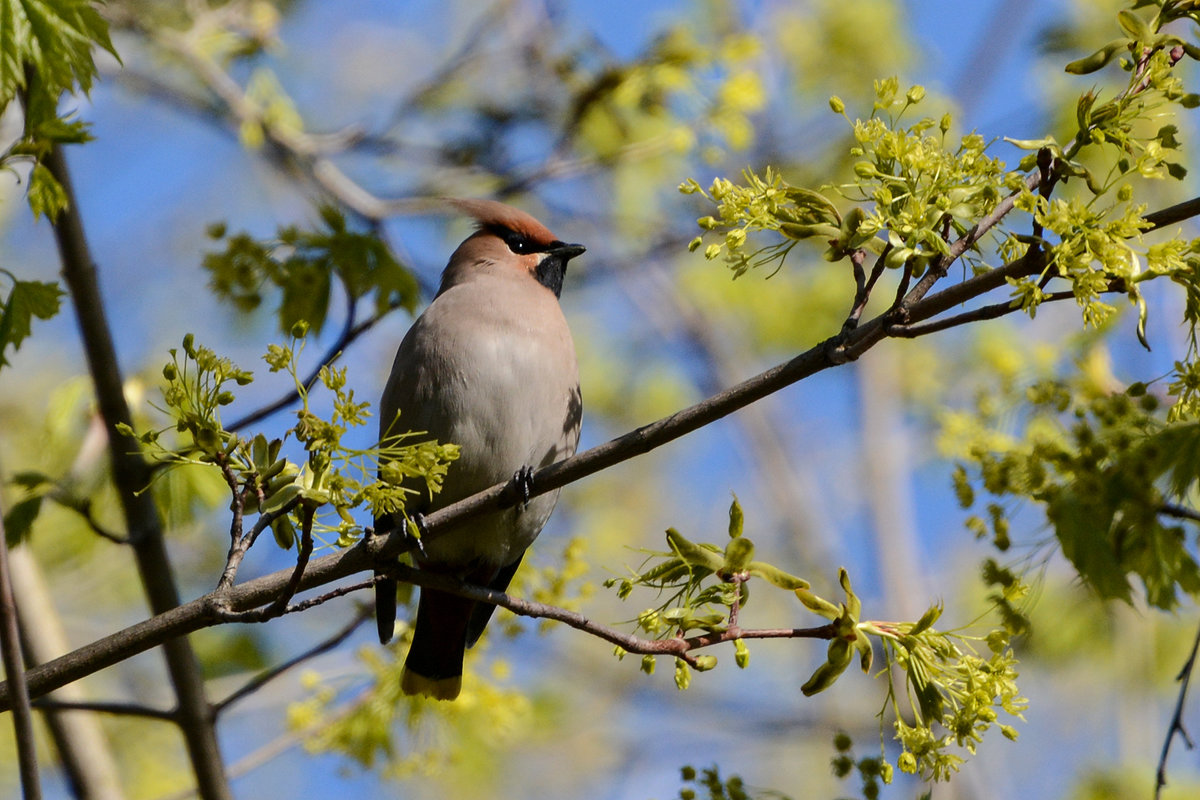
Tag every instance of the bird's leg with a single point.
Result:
(523, 482)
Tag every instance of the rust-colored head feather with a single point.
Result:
(492, 213)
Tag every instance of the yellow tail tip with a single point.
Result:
(438, 688)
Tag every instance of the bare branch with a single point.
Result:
(14, 668)
(102, 707)
(1179, 512)
(279, 605)
(83, 507)
(263, 678)
(1184, 678)
(1176, 213)
(977, 315)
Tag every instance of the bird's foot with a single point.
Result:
(417, 532)
(523, 483)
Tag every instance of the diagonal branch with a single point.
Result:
(371, 551)
(263, 678)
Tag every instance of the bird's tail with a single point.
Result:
(434, 665)
(385, 608)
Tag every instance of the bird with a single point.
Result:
(489, 366)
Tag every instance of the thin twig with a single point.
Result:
(976, 315)
(242, 544)
(237, 546)
(862, 292)
(1179, 512)
(1184, 678)
(265, 677)
(679, 646)
(279, 605)
(349, 333)
(83, 507)
(105, 707)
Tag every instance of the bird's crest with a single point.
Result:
(489, 213)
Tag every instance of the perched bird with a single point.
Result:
(490, 366)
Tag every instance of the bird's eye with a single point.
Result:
(519, 245)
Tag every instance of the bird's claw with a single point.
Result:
(417, 520)
(523, 482)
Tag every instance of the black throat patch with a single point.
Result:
(551, 271)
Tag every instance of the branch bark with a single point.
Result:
(14, 670)
(84, 753)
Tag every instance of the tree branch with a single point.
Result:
(372, 551)
(104, 707)
(131, 475)
(1176, 213)
(265, 677)
(1184, 678)
(975, 315)
(678, 646)
(1179, 512)
(14, 670)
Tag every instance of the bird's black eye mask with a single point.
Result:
(551, 269)
(519, 243)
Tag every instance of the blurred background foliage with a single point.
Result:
(252, 116)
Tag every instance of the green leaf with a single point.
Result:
(1099, 58)
(694, 554)
(1082, 522)
(1134, 25)
(853, 604)
(683, 675)
(736, 518)
(305, 295)
(1034, 144)
(26, 300)
(47, 197)
(741, 653)
(31, 480)
(838, 657)
(775, 576)
(1136, 298)
(18, 521)
(284, 531)
(817, 604)
(927, 619)
(737, 555)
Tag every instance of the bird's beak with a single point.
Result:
(567, 251)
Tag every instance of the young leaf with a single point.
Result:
(26, 300)
(18, 521)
